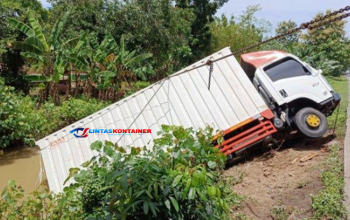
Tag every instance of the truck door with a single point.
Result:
(291, 80)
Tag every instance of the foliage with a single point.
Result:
(238, 33)
(328, 203)
(11, 61)
(179, 178)
(332, 42)
(87, 16)
(21, 122)
(283, 27)
(279, 213)
(159, 28)
(39, 205)
(107, 64)
(49, 56)
(18, 121)
(15, 9)
(340, 84)
(73, 109)
(155, 27)
(114, 64)
(204, 12)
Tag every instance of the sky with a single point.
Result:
(280, 10)
(45, 3)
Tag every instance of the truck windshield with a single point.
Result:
(285, 68)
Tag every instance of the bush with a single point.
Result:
(50, 118)
(21, 122)
(178, 179)
(39, 205)
(18, 121)
(74, 109)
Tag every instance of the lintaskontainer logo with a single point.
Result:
(85, 131)
(75, 132)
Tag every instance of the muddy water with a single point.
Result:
(21, 164)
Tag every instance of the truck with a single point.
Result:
(261, 100)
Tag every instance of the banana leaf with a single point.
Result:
(21, 27)
(37, 78)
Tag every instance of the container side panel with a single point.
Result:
(181, 100)
(249, 88)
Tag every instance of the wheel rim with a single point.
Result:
(313, 121)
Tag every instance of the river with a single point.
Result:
(21, 164)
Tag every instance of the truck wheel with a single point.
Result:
(311, 122)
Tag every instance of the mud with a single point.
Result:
(21, 164)
(276, 184)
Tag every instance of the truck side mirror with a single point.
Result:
(319, 72)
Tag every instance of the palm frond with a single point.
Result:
(22, 27)
(109, 43)
(78, 63)
(26, 47)
(37, 28)
(70, 43)
(122, 44)
(37, 78)
(35, 42)
(107, 74)
(29, 55)
(56, 31)
(138, 59)
(93, 42)
(59, 70)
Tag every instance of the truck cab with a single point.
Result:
(298, 95)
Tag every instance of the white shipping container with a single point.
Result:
(181, 100)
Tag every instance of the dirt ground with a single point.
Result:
(278, 184)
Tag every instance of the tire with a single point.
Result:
(304, 126)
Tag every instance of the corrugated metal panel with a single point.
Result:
(182, 100)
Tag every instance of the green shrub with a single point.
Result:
(21, 122)
(18, 121)
(178, 179)
(51, 118)
(39, 205)
(74, 109)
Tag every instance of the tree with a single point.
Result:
(204, 11)
(155, 27)
(48, 56)
(290, 43)
(11, 61)
(159, 28)
(238, 33)
(95, 16)
(110, 64)
(283, 27)
(331, 41)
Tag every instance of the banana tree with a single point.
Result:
(116, 65)
(109, 64)
(51, 57)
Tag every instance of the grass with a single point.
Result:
(279, 213)
(340, 85)
(328, 203)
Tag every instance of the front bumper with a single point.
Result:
(331, 104)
